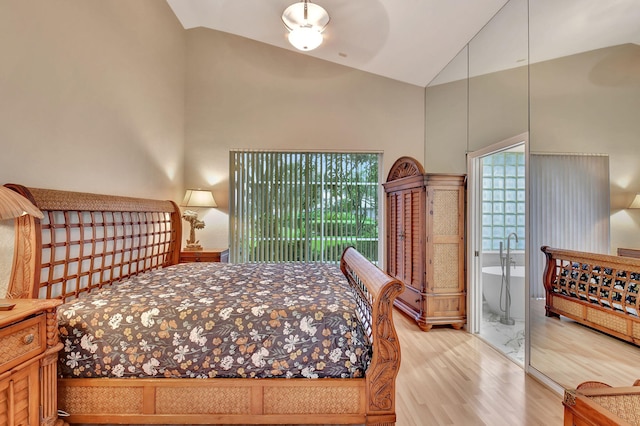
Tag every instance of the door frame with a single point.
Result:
(474, 216)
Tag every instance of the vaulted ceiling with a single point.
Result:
(406, 40)
(412, 40)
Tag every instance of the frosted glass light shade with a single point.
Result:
(305, 21)
(14, 205)
(636, 202)
(198, 198)
(305, 38)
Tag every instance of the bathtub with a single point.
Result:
(491, 281)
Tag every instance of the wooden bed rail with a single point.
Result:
(376, 291)
(86, 241)
(598, 290)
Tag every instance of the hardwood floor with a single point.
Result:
(572, 353)
(450, 377)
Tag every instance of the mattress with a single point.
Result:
(200, 320)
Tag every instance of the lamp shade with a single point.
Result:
(198, 198)
(635, 204)
(14, 205)
(305, 22)
(305, 38)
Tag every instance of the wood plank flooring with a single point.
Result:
(571, 353)
(450, 377)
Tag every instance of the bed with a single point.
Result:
(596, 290)
(87, 244)
(598, 404)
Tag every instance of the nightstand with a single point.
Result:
(29, 348)
(210, 255)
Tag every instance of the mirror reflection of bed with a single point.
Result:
(590, 307)
(580, 94)
(585, 100)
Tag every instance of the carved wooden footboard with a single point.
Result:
(86, 241)
(600, 291)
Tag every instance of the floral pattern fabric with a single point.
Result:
(217, 320)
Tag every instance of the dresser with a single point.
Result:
(425, 243)
(28, 362)
(210, 255)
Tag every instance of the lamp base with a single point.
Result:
(193, 247)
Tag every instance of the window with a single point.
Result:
(503, 198)
(302, 206)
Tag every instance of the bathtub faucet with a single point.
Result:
(510, 261)
(505, 258)
(507, 262)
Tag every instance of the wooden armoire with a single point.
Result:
(425, 224)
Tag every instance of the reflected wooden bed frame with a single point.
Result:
(584, 286)
(86, 241)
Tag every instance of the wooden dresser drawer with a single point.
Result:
(213, 255)
(22, 341)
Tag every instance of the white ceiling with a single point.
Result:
(406, 40)
(412, 40)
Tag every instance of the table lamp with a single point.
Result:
(196, 198)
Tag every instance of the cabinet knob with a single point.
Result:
(28, 339)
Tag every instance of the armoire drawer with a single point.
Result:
(447, 305)
(412, 297)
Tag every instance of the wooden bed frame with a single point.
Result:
(598, 404)
(593, 283)
(86, 241)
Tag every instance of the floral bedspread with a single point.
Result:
(217, 320)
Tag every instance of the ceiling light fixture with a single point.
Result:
(305, 21)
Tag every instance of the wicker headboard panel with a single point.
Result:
(86, 241)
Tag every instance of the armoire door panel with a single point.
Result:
(446, 276)
(445, 211)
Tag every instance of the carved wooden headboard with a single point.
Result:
(86, 241)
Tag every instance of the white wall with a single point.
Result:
(100, 97)
(581, 103)
(590, 102)
(245, 94)
(92, 96)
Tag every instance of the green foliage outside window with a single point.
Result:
(303, 206)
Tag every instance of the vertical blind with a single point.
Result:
(302, 206)
(570, 207)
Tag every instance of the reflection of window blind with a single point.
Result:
(569, 207)
(302, 206)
